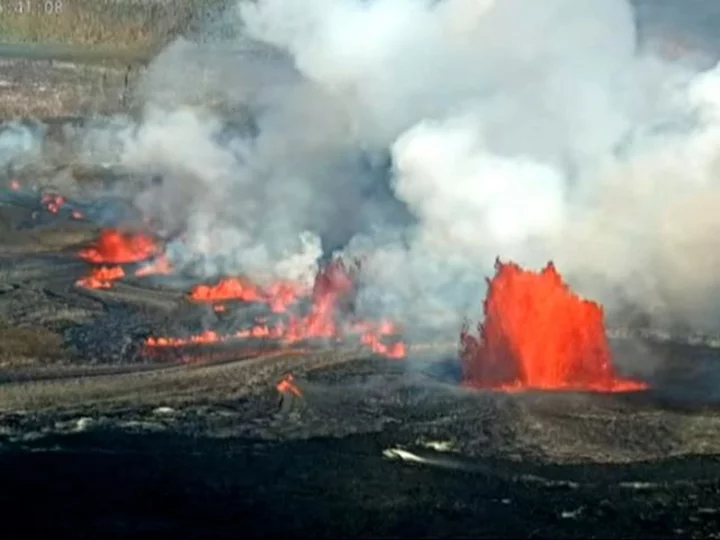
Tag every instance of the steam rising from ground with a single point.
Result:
(431, 137)
(19, 144)
(530, 130)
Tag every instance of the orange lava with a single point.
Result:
(372, 335)
(14, 185)
(287, 385)
(52, 202)
(281, 294)
(538, 334)
(278, 295)
(117, 247)
(333, 284)
(227, 289)
(101, 277)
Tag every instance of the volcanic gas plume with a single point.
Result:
(438, 140)
(538, 334)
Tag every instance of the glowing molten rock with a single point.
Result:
(53, 203)
(116, 247)
(287, 384)
(227, 289)
(330, 299)
(278, 295)
(102, 277)
(539, 334)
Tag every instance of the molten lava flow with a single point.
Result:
(52, 202)
(227, 289)
(287, 385)
(102, 277)
(281, 294)
(116, 247)
(394, 350)
(332, 288)
(332, 283)
(539, 334)
(372, 335)
(14, 185)
(208, 336)
(278, 295)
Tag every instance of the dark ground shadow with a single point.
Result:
(111, 485)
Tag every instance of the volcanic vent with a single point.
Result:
(114, 248)
(293, 312)
(538, 334)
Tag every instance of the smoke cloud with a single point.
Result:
(430, 137)
(20, 144)
(527, 130)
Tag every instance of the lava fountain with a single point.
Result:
(114, 248)
(538, 334)
(118, 247)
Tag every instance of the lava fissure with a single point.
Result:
(115, 248)
(279, 295)
(538, 334)
(331, 298)
(331, 293)
(119, 247)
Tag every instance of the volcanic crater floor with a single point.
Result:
(99, 436)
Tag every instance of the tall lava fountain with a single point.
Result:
(539, 334)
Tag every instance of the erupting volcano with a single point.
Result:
(538, 334)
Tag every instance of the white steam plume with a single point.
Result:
(20, 143)
(521, 129)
